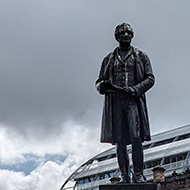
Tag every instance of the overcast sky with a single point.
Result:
(50, 56)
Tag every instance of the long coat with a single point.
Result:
(144, 80)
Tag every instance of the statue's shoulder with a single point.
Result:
(141, 54)
(110, 55)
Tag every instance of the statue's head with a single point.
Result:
(124, 33)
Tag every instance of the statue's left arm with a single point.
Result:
(146, 77)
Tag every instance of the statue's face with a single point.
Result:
(124, 33)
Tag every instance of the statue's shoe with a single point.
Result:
(124, 180)
(139, 179)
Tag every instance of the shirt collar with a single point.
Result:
(127, 55)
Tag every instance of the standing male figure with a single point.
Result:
(124, 77)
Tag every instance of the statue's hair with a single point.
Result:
(122, 25)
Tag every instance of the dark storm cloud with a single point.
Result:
(45, 60)
(51, 53)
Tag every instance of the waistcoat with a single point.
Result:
(124, 71)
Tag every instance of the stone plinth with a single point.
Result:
(140, 186)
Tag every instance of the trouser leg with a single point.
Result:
(137, 155)
(123, 161)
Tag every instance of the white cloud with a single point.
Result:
(10, 151)
(78, 143)
(48, 176)
(73, 139)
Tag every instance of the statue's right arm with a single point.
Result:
(100, 82)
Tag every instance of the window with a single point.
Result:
(162, 142)
(152, 164)
(106, 157)
(183, 137)
(175, 158)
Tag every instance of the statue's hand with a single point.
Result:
(130, 90)
(102, 87)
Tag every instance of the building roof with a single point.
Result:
(162, 146)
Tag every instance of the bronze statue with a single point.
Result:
(125, 75)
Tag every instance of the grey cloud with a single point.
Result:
(51, 54)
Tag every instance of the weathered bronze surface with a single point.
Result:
(125, 75)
